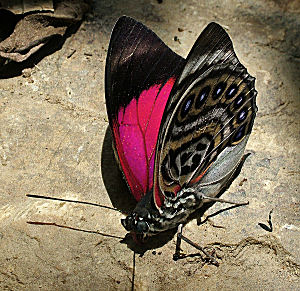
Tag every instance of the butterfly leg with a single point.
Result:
(210, 199)
(179, 255)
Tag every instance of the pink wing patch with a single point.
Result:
(136, 131)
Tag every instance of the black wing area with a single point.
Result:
(137, 59)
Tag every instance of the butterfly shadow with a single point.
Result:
(113, 181)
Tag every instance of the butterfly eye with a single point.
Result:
(142, 227)
(239, 101)
(128, 223)
(187, 105)
(240, 133)
(242, 115)
(231, 91)
(202, 97)
(219, 90)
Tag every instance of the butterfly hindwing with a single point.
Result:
(139, 75)
(208, 118)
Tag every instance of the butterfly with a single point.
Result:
(179, 126)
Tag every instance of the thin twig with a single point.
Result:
(133, 272)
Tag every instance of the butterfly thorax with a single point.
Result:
(146, 219)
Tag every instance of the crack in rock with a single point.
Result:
(233, 252)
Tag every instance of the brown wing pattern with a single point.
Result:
(212, 107)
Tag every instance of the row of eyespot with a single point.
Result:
(218, 91)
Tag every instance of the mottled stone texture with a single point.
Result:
(54, 141)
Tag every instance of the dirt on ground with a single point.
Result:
(54, 141)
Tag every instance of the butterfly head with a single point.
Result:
(135, 223)
(142, 221)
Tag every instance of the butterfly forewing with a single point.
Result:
(140, 73)
(212, 109)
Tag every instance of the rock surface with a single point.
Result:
(54, 141)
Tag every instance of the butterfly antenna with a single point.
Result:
(73, 228)
(73, 201)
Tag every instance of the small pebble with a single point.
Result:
(176, 39)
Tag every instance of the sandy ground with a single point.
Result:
(54, 141)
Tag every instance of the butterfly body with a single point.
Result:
(180, 127)
(176, 209)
